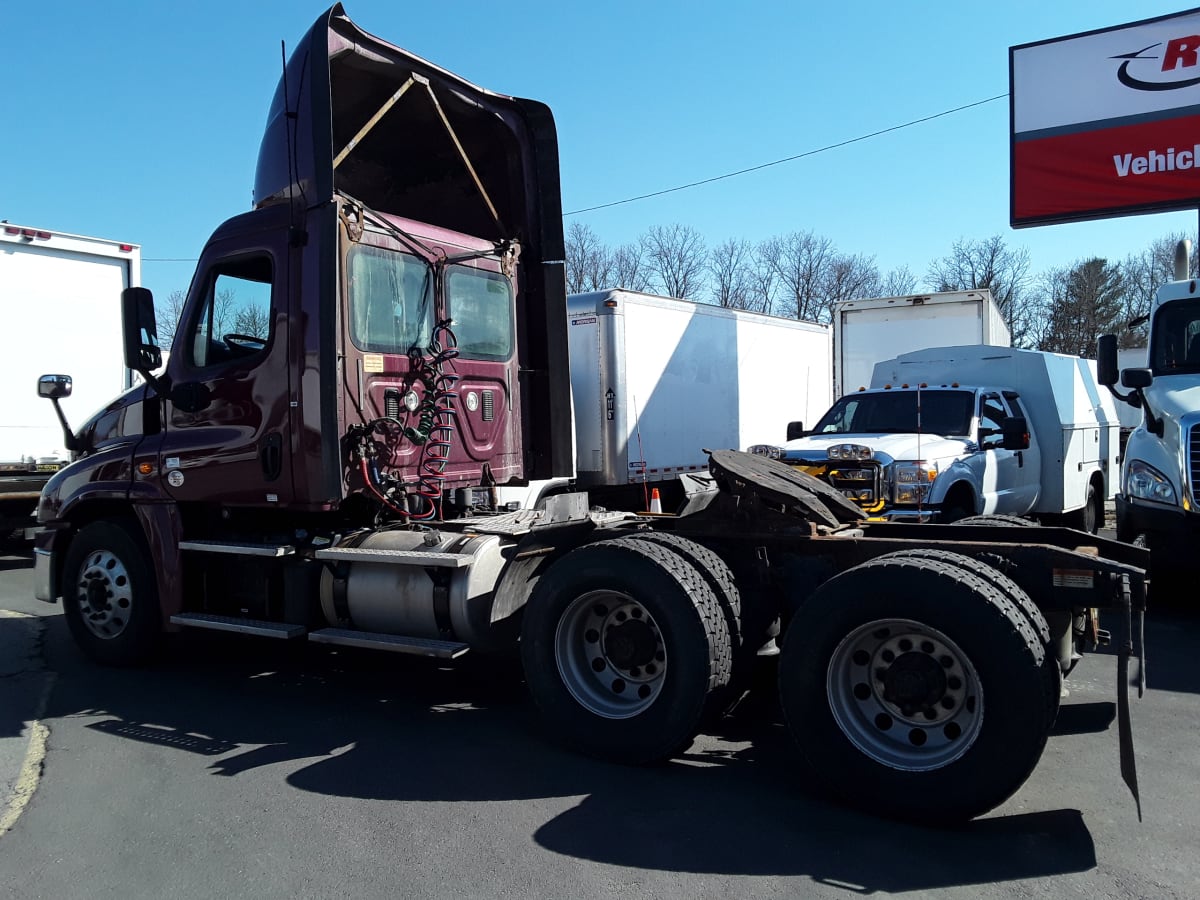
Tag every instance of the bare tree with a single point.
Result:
(224, 311)
(898, 283)
(167, 315)
(729, 269)
(763, 282)
(253, 321)
(849, 278)
(991, 264)
(1143, 274)
(800, 262)
(589, 262)
(630, 270)
(675, 255)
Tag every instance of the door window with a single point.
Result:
(234, 322)
(991, 419)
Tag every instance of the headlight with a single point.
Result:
(913, 481)
(767, 450)
(849, 451)
(1147, 483)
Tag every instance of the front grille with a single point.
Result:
(858, 481)
(1193, 451)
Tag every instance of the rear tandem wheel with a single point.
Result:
(625, 650)
(913, 692)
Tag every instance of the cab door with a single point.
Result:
(227, 416)
(1011, 478)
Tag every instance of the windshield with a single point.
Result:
(480, 303)
(940, 412)
(1175, 341)
(391, 300)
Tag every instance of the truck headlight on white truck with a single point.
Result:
(849, 451)
(913, 481)
(768, 450)
(1144, 482)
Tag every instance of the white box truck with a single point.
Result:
(870, 330)
(657, 380)
(61, 297)
(933, 438)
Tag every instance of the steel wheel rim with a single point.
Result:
(610, 654)
(905, 695)
(104, 594)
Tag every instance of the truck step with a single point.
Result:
(394, 642)
(236, 549)
(397, 557)
(241, 626)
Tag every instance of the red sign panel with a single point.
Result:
(1106, 123)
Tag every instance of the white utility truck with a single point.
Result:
(61, 296)
(1159, 498)
(656, 380)
(952, 432)
(871, 330)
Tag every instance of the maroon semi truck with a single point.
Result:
(377, 347)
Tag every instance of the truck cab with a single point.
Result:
(1159, 501)
(922, 452)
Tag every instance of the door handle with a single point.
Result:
(270, 455)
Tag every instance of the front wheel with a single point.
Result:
(1091, 517)
(110, 596)
(625, 648)
(915, 692)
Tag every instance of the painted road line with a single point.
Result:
(35, 754)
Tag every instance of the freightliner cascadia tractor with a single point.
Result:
(379, 346)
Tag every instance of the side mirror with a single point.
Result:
(142, 353)
(1015, 431)
(1136, 378)
(796, 430)
(54, 387)
(1107, 367)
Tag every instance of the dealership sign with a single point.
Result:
(1107, 122)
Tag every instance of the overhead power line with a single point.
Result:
(778, 162)
(766, 165)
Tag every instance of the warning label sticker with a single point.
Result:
(1074, 578)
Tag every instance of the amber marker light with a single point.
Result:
(145, 468)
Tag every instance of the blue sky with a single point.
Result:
(140, 121)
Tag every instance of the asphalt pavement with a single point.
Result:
(237, 767)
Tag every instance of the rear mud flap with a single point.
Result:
(1124, 725)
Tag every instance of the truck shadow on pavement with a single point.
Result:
(374, 727)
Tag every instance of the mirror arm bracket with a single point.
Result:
(69, 440)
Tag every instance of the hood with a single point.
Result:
(120, 420)
(1174, 396)
(887, 447)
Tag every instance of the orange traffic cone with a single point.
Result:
(655, 501)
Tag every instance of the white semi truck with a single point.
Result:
(1158, 503)
(952, 432)
(873, 329)
(74, 284)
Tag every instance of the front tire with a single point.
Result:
(110, 595)
(915, 690)
(1091, 516)
(625, 649)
